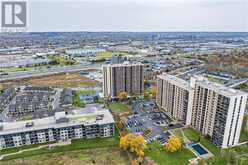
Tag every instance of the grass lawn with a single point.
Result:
(105, 54)
(108, 54)
(97, 156)
(79, 144)
(17, 69)
(243, 135)
(86, 91)
(217, 159)
(118, 107)
(195, 136)
(156, 152)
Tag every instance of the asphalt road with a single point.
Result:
(49, 71)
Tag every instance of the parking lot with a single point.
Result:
(148, 121)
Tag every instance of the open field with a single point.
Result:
(58, 80)
(98, 156)
(108, 54)
(105, 54)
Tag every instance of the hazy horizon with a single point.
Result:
(138, 16)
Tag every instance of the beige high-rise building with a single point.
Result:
(123, 77)
(174, 96)
(218, 111)
(210, 108)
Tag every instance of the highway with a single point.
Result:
(49, 71)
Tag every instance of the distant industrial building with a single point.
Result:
(175, 97)
(123, 77)
(83, 52)
(89, 122)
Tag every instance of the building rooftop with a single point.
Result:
(176, 81)
(218, 88)
(126, 63)
(92, 114)
(40, 89)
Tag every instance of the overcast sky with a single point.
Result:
(138, 15)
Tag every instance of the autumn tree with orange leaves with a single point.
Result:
(122, 96)
(154, 92)
(174, 144)
(133, 143)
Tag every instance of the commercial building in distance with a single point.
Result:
(210, 108)
(123, 77)
(89, 122)
(175, 97)
(218, 111)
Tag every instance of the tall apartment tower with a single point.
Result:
(218, 111)
(175, 97)
(123, 77)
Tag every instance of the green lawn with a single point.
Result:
(79, 144)
(194, 136)
(16, 69)
(244, 134)
(22, 69)
(105, 54)
(118, 107)
(86, 92)
(217, 159)
(108, 54)
(96, 156)
(156, 152)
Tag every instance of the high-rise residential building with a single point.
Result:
(123, 77)
(213, 109)
(218, 111)
(175, 96)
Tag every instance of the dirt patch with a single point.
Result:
(58, 80)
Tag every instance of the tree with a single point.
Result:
(122, 96)
(154, 91)
(146, 95)
(174, 144)
(133, 143)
